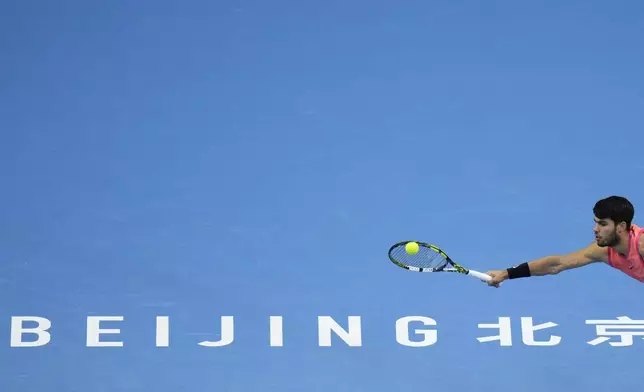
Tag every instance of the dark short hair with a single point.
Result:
(615, 208)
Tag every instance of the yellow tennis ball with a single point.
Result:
(411, 248)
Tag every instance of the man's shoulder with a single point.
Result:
(596, 253)
(640, 236)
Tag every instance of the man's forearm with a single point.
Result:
(548, 265)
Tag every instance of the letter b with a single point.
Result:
(18, 329)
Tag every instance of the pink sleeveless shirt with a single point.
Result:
(632, 264)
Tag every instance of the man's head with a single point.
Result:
(613, 217)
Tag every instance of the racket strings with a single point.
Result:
(424, 258)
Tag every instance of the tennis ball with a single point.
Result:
(411, 248)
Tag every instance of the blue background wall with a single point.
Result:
(252, 159)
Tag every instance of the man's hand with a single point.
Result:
(497, 277)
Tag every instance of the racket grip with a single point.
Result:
(480, 275)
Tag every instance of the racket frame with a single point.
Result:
(454, 266)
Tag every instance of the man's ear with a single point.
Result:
(621, 227)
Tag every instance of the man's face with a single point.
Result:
(606, 232)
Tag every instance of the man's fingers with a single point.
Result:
(493, 283)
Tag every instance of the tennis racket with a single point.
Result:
(428, 258)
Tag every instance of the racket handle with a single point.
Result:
(480, 275)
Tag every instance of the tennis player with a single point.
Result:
(618, 243)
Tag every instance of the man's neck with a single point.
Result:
(622, 248)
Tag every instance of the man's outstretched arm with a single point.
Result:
(551, 265)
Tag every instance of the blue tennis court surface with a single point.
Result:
(201, 195)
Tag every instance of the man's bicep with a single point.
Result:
(591, 254)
